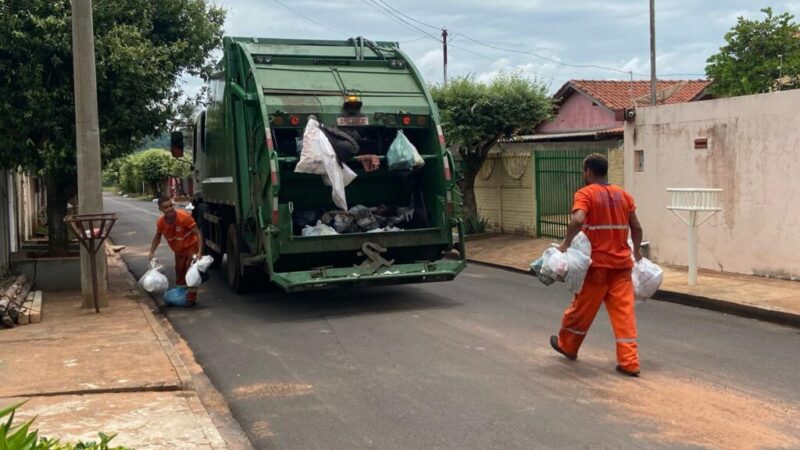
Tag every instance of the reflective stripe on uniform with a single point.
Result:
(606, 227)
(573, 331)
(626, 340)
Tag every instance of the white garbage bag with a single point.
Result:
(320, 229)
(582, 244)
(579, 255)
(153, 280)
(311, 155)
(647, 278)
(557, 262)
(204, 263)
(318, 157)
(578, 267)
(193, 277)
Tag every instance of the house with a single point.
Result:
(527, 183)
(594, 109)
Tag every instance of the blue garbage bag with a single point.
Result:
(175, 297)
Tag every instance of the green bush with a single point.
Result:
(151, 167)
(475, 224)
(20, 437)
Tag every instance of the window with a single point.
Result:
(638, 160)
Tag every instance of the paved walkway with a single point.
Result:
(751, 296)
(115, 372)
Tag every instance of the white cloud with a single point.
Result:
(613, 33)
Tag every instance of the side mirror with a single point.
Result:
(176, 144)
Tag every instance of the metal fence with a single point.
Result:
(559, 174)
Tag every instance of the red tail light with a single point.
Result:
(406, 120)
(294, 120)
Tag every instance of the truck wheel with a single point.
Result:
(239, 282)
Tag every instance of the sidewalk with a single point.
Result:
(115, 372)
(749, 296)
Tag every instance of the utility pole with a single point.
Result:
(87, 131)
(444, 52)
(653, 52)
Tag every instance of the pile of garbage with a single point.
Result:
(358, 219)
(324, 151)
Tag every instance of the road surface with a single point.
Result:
(466, 365)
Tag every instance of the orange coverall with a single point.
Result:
(182, 240)
(608, 281)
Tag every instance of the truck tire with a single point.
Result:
(239, 280)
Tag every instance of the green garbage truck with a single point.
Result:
(273, 223)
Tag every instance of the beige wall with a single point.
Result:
(753, 154)
(504, 190)
(616, 166)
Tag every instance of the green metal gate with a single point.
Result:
(559, 174)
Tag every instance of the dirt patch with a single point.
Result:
(273, 390)
(262, 430)
(697, 413)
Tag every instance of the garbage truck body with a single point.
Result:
(252, 206)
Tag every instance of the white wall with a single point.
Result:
(753, 154)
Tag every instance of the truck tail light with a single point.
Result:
(406, 120)
(294, 120)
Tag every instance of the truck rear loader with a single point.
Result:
(246, 143)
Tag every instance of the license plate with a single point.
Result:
(352, 121)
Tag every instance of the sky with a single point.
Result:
(551, 41)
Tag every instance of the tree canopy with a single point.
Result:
(475, 115)
(756, 55)
(142, 48)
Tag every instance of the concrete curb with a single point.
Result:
(213, 404)
(736, 309)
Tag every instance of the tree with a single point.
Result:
(475, 115)
(142, 48)
(151, 167)
(756, 54)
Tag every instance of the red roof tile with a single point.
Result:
(622, 94)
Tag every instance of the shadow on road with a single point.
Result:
(272, 305)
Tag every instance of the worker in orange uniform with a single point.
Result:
(605, 213)
(183, 237)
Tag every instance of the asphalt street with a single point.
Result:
(466, 364)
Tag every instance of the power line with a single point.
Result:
(555, 61)
(409, 17)
(311, 20)
(388, 13)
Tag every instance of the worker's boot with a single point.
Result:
(554, 344)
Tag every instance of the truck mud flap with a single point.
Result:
(327, 278)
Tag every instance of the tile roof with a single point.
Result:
(622, 94)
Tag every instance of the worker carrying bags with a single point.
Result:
(570, 267)
(319, 158)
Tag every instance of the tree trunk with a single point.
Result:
(60, 189)
(470, 207)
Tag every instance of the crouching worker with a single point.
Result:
(606, 213)
(183, 237)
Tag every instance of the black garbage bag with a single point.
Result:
(343, 222)
(301, 218)
(344, 145)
